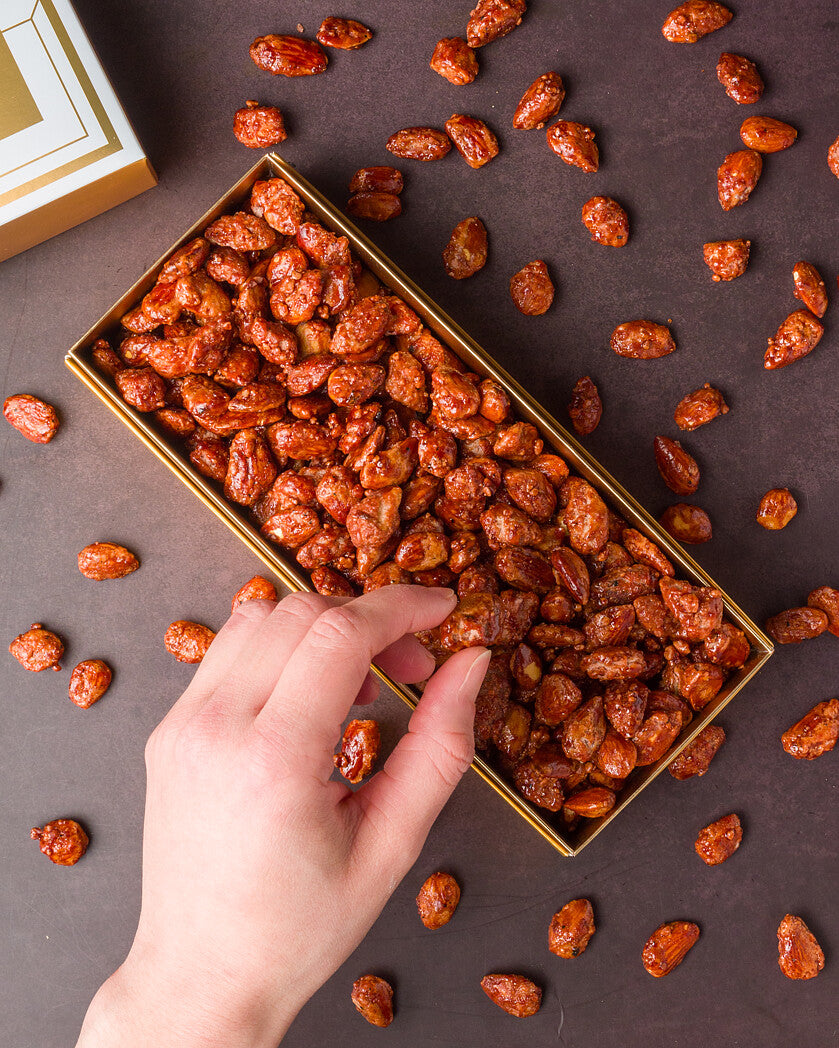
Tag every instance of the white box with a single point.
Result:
(67, 151)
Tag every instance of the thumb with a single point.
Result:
(400, 803)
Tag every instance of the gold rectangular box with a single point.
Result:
(79, 362)
(67, 151)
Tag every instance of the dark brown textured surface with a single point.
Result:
(663, 124)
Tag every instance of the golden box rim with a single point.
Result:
(464, 346)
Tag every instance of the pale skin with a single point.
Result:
(261, 874)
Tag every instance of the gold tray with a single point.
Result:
(80, 363)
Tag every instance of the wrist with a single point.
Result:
(144, 1006)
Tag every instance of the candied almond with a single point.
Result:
(437, 900)
(833, 157)
(35, 419)
(727, 259)
(63, 841)
(642, 340)
(740, 78)
(799, 953)
(737, 176)
(455, 60)
(419, 143)
(826, 599)
(571, 929)
(359, 749)
(700, 407)
(678, 468)
(696, 757)
(606, 220)
(668, 946)
(259, 127)
(815, 734)
(256, 588)
(766, 135)
(344, 34)
(466, 252)
(472, 138)
(809, 288)
(374, 205)
(574, 144)
(514, 994)
(88, 682)
(382, 179)
(188, 641)
(491, 19)
(540, 102)
(797, 336)
(694, 19)
(37, 649)
(288, 55)
(106, 560)
(373, 998)
(719, 840)
(796, 625)
(532, 289)
(585, 408)
(777, 508)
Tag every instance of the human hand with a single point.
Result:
(260, 874)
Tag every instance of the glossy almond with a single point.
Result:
(766, 135)
(491, 19)
(606, 220)
(256, 588)
(719, 840)
(472, 138)
(540, 102)
(740, 78)
(466, 252)
(455, 60)
(678, 468)
(35, 419)
(381, 179)
(737, 176)
(799, 953)
(815, 734)
(514, 994)
(88, 682)
(374, 205)
(777, 508)
(694, 19)
(188, 641)
(63, 841)
(106, 560)
(571, 929)
(727, 259)
(696, 757)
(359, 750)
(288, 55)
(419, 143)
(797, 336)
(591, 803)
(826, 599)
(586, 408)
(373, 999)
(699, 408)
(37, 649)
(532, 289)
(437, 900)
(796, 624)
(642, 340)
(574, 144)
(259, 127)
(345, 34)
(809, 287)
(668, 946)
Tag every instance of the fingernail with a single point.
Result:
(474, 678)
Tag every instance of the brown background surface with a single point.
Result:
(663, 125)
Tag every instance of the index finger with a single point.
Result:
(326, 670)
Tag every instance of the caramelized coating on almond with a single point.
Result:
(88, 682)
(437, 900)
(815, 734)
(455, 60)
(642, 340)
(37, 649)
(359, 749)
(288, 55)
(694, 19)
(796, 625)
(766, 135)
(475, 142)
(466, 252)
(188, 641)
(571, 929)
(491, 19)
(419, 143)
(514, 994)
(256, 588)
(532, 289)
(776, 509)
(740, 78)
(373, 999)
(106, 560)
(586, 408)
(540, 102)
(606, 220)
(35, 419)
(727, 259)
(678, 468)
(63, 841)
(696, 757)
(699, 408)
(574, 144)
(797, 336)
(809, 287)
(686, 523)
(719, 841)
(737, 176)
(344, 34)
(799, 953)
(826, 599)
(668, 946)
(259, 127)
